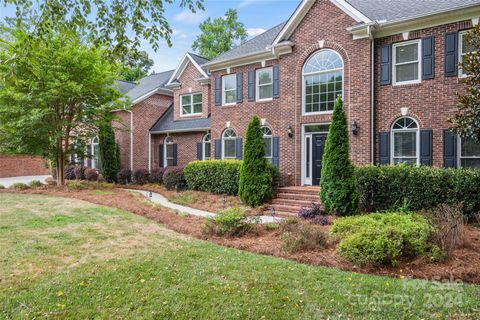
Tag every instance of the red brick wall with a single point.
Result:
(186, 147)
(22, 165)
(432, 102)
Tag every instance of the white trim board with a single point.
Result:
(181, 67)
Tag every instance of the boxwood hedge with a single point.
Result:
(217, 176)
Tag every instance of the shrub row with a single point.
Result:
(171, 177)
(416, 188)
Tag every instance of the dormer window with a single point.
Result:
(191, 104)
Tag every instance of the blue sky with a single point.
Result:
(257, 15)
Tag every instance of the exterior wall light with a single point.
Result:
(354, 128)
(290, 131)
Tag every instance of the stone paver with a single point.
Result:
(7, 182)
(164, 202)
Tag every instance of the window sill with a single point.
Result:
(264, 100)
(229, 105)
(407, 84)
(191, 115)
(317, 113)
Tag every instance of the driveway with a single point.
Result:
(7, 182)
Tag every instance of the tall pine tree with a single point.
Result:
(338, 185)
(108, 152)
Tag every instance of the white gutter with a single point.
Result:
(372, 102)
(180, 131)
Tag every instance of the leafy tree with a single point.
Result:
(135, 66)
(107, 22)
(338, 185)
(55, 90)
(108, 151)
(255, 175)
(466, 122)
(219, 35)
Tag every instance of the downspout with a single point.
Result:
(372, 97)
(131, 139)
(149, 152)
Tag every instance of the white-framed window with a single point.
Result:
(468, 153)
(463, 49)
(268, 140)
(168, 151)
(405, 141)
(95, 153)
(191, 104)
(264, 86)
(206, 146)
(229, 89)
(229, 144)
(407, 62)
(322, 81)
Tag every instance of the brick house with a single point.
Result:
(395, 63)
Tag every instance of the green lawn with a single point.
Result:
(68, 259)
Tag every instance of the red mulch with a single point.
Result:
(462, 264)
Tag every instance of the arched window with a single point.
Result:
(229, 144)
(405, 138)
(168, 151)
(322, 81)
(95, 153)
(206, 146)
(268, 140)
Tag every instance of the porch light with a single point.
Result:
(354, 128)
(290, 131)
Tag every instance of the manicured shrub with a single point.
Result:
(70, 172)
(108, 152)
(156, 176)
(51, 181)
(231, 222)
(2, 186)
(140, 176)
(423, 187)
(125, 176)
(338, 185)
(79, 172)
(173, 178)
(255, 175)
(19, 186)
(35, 184)
(77, 185)
(91, 174)
(217, 176)
(311, 212)
(298, 235)
(382, 238)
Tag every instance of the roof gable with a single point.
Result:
(192, 58)
(149, 85)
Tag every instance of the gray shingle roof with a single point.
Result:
(166, 123)
(148, 84)
(124, 86)
(258, 43)
(392, 10)
(198, 59)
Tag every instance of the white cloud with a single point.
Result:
(252, 32)
(246, 3)
(179, 34)
(188, 17)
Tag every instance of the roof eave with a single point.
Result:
(163, 91)
(181, 130)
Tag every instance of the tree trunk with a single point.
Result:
(60, 163)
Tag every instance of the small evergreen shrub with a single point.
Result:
(255, 174)
(156, 176)
(35, 184)
(382, 238)
(125, 176)
(19, 186)
(77, 185)
(298, 236)
(173, 178)
(2, 186)
(338, 185)
(216, 176)
(91, 174)
(50, 181)
(140, 176)
(79, 172)
(70, 172)
(231, 222)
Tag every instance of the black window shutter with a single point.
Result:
(239, 148)
(276, 151)
(239, 87)
(174, 147)
(160, 156)
(218, 91)
(428, 58)
(386, 64)
(218, 149)
(451, 58)
(449, 149)
(384, 148)
(89, 156)
(276, 81)
(251, 85)
(426, 148)
(199, 151)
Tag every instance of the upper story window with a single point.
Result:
(463, 49)
(322, 81)
(264, 90)
(95, 152)
(229, 89)
(229, 141)
(168, 152)
(469, 153)
(191, 104)
(206, 146)
(406, 62)
(268, 139)
(405, 137)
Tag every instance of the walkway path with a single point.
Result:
(7, 182)
(164, 202)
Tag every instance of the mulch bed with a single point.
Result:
(461, 266)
